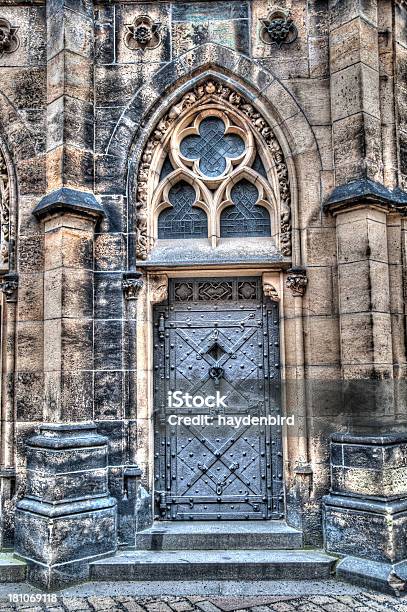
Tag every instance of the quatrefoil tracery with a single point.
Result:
(212, 150)
(213, 153)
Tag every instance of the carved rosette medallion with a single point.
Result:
(211, 92)
(4, 212)
(9, 41)
(297, 281)
(143, 34)
(278, 28)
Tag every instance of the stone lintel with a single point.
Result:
(365, 192)
(67, 200)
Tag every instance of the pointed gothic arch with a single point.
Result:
(213, 98)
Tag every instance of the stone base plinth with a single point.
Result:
(385, 577)
(67, 517)
(366, 511)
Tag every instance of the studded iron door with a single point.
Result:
(217, 336)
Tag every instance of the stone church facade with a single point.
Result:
(203, 196)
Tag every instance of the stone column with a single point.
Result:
(68, 304)
(70, 113)
(366, 511)
(355, 102)
(365, 284)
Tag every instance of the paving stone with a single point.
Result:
(132, 606)
(208, 606)
(181, 606)
(159, 606)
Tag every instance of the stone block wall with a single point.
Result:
(77, 105)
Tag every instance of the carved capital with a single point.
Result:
(132, 283)
(297, 281)
(9, 287)
(159, 288)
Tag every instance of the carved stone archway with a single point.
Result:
(211, 91)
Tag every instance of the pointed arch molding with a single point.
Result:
(210, 91)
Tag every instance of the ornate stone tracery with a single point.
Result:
(222, 96)
(4, 212)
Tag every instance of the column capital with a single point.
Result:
(365, 192)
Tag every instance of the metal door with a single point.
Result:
(217, 337)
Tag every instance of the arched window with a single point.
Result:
(244, 217)
(212, 169)
(182, 220)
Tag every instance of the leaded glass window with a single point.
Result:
(202, 163)
(212, 146)
(182, 220)
(245, 217)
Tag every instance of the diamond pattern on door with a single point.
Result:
(218, 344)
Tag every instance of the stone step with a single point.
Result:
(225, 535)
(142, 565)
(11, 569)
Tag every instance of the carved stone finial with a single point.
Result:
(9, 287)
(271, 292)
(297, 281)
(143, 34)
(132, 283)
(278, 28)
(9, 41)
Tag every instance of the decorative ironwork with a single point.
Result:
(142, 34)
(278, 29)
(204, 290)
(213, 91)
(212, 147)
(216, 471)
(9, 41)
(182, 220)
(245, 217)
(215, 290)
